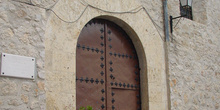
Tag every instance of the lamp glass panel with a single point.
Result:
(189, 2)
(183, 2)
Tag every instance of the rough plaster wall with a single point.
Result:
(155, 10)
(194, 57)
(22, 33)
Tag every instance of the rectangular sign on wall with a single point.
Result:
(17, 66)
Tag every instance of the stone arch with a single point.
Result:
(60, 44)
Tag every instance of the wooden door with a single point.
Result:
(107, 69)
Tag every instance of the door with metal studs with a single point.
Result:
(107, 68)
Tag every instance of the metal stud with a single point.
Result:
(122, 55)
(78, 45)
(111, 83)
(102, 73)
(115, 54)
(102, 90)
(88, 48)
(91, 80)
(110, 53)
(136, 66)
(136, 72)
(102, 58)
(81, 79)
(102, 30)
(109, 32)
(137, 96)
(113, 93)
(124, 85)
(126, 56)
(130, 56)
(113, 107)
(111, 76)
(128, 85)
(92, 49)
(120, 84)
(136, 79)
(134, 57)
(102, 81)
(111, 69)
(102, 65)
(119, 54)
(132, 86)
(102, 106)
(110, 46)
(102, 44)
(116, 83)
(97, 81)
(97, 50)
(102, 37)
(83, 47)
(102, 99)
(113, 100)
(110, 62)
(76, 78)
(87, 80)
(109, 39)
(102, 51)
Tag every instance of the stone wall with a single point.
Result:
(22, 29)
(194, 57)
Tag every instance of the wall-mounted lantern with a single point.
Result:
(185, 11)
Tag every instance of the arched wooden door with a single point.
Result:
(107, 69)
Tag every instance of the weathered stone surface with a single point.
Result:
(21, 33)
(25, 98)
(9, 88)
(14, 102)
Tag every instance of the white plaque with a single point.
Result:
(17, 66)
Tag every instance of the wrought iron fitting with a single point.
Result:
(78, 46)
(124, 85)
(102, 81)
(97, 81)
(102, 58)
(116, 83)
(111, 69)
(109, 32)
(115, 54)
(102, 65)
(88, 48)
(102, 37)
(110, 46)
(83, 47)
(102, 99)
(91, 80)
(81, 79)
(102, 73)
(110, 53)
(102, 106)
(102, 51)
(103, 91)
(97, 50)
(92, 49)
(87, 80)
(101, 30)
(113, 93)
(113, 100)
